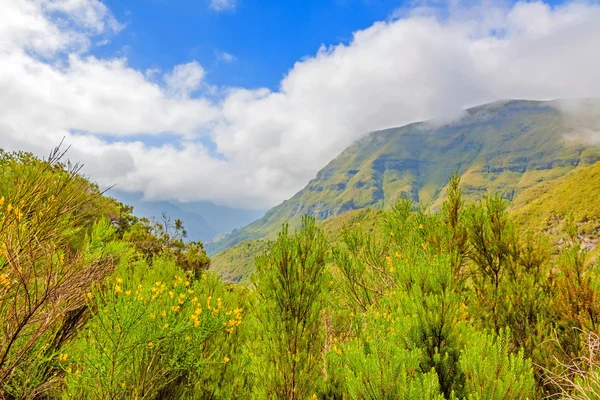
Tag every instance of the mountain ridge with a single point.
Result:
(505, 147)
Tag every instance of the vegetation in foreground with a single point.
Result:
(456, 304)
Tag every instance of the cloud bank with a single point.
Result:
(175, 136)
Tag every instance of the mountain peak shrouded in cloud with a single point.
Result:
(254, 147)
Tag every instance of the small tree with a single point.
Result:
(291, 277)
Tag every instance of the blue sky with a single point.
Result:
(142, 92)
(266, 37)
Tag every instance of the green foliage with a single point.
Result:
(290, 287)
(492, 372)
(153, 239)
(145, 337)
(455, 303)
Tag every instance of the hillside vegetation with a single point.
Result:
(543, 208)
(455, 303)
(503, 147)
(236, 263)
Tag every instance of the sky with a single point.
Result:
(241, 102)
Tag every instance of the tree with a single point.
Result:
(290, 286)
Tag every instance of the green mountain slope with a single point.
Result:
(542, 208)
(236, 263)
(545, 207)
(502, 147)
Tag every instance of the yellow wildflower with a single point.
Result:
(63, 357)
(166, 326)
(118, 289)
(150, 345)
(226, 359)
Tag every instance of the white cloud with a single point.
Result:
(226, 57)
(223, 5)
(185, 78)
(270, 143)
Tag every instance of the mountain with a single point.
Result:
(203, 220)
(222, 218)
(542, 208)
(504, 147)
(236, 263)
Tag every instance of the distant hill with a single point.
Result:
(203, 220)
(503, 147)
(236, 263)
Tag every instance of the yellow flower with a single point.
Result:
(9, 208)
(187, 338)
(164, 313)
(118, 289)
(69, 370)
(392, 269)
(127, 293)
(150, 345)
(89, 296)
(388, 259)
(166, 326)
(123, 384)
(1, 200)
(171, 294)
(420, 226)
(226, 359)
(175, 309)
(119, 280)
(392, 233)
(196, 323)
(63, 357)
